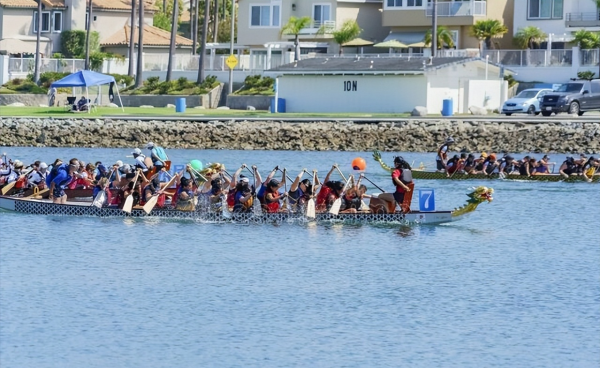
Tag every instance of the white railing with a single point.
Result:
(458, 8)
(27, 65)
(326, 27)
(589, 57)
(531, 58)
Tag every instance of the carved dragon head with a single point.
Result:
(481, 194)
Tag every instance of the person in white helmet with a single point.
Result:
(38, 177)
(139, 160)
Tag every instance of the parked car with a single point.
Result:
(573, 97)
(527, 101)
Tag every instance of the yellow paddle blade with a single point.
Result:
(335, 208)
(8, 187)
(310, 209)
(128, 204)
(150, 204)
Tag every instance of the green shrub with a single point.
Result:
(47, 78)
(165, 87)
(586, 75)
(73, 43)
(257, 85)
(123, 78)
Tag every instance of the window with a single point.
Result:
(56, 21)
(545, 9)
(405, 3)
(321, 13)
(264, 15)
(45, 21)
(454, 34)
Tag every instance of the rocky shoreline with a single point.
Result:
(412, 135)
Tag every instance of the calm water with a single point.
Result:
(514, 285)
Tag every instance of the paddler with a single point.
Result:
(139, 160)
(158, 155)
(38, 177)
(299, 191)
(11, 174)
(58, 182)
(441, 159)
(402, 178)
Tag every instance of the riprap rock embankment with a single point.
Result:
(403, 135)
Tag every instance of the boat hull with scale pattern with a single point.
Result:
(45, 207)
(421, 174)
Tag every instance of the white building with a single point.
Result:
(389, 85)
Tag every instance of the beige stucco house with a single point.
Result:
(410, 19)
(260, 23)
(18, 25)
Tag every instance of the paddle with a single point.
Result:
(256, 206)
(152, 201)
(340, 171)
(335, 208)
(101, 196)
(285, 199)
(376, 186)
(310, 206)
(10, 185)
(129, 200)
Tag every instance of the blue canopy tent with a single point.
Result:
(86, 78)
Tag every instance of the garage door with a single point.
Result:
(361, 94)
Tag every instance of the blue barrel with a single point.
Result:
(180, 105)
(447, 108)
(280, 105)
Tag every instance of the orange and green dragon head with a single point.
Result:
(477, 196)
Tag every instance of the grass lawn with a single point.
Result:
(45, 112)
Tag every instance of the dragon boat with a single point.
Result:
(420, 173)
(46, 207)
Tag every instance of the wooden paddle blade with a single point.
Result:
(100, 199)
(335, 208)
(8, 187)
(150, 204)
(128, 204)
(38, 195)
(310, 209)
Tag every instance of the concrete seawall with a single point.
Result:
(404, 135)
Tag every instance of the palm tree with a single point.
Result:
(293, 27)
(586, 40)
(174, 25)
(485, 30)
(347, 32)
(203, 42)
(139, 79)
(36, 68)
(528, 37)
(444, 37)
(87, 36)
(131, 40)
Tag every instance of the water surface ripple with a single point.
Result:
(514, 285)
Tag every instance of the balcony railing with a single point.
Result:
(531, 58)
(589, 57)
(590, 19)
(458, 8)
(328, 27)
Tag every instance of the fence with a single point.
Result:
(531, 58)
(27, 65)
(458, 8)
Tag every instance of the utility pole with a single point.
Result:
(130, 70)
(434, 38)
(38, 54)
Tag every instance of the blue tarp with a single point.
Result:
(83, 78)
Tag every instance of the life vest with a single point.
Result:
(571, 166)
(405, 176)
(273, 204)
(21, 182)
(231, 198)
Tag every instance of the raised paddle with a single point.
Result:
(310, 206)
(376, 186)
(129, 200)
(152, 201)
(256, 206)
(335, 207)
(10, 185)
